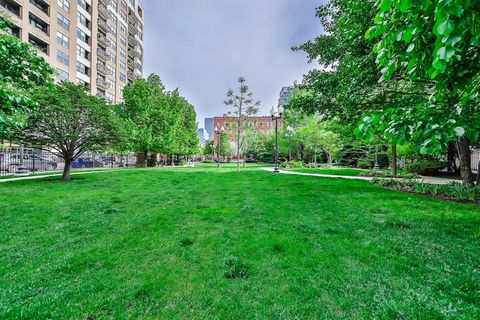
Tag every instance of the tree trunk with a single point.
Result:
(394, 160)
(465, 162)
(173, 160)
(451, 155)
(66, 169)
(330, 159)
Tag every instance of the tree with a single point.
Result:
(69, 122)
(224, 148)
(435, 42)
(21, 71)
(160, 121)
(208, 149)
(243, 107)
(317, 137)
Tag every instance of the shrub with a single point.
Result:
(365, 164)
(426, 167)
(388, 174)
(292, 164)
(451, 191)
(207, 161)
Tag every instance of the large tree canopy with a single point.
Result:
(21, 70)
(435, 42)
(159, 121)
(68, 122)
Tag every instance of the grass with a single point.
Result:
(202, 243)
(330, 171)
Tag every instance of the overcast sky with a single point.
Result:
(203, 46)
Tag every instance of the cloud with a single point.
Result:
(203, 46)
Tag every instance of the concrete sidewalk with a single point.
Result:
(430, 180)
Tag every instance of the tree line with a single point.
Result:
(64, 119)
(400, 71)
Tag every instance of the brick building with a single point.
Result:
(263, 123)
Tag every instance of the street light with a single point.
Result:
(376, 166)
(219, 132)
(276, 114)
(290, 131)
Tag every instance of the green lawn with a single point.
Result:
(205, 244)
(331, 171)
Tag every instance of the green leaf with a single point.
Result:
(411, 47)
(444, 28)
(459, 131)
(386, 5)
(404, 5)
(445, 53)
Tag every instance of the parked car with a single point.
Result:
(250, 160)
(30, 162)
(86, 163)
(108, 159)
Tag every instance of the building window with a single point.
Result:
(62, 57)
(111, 83)
(111, 70)
(123, 29)
(62, 75)
(82, 52)
(82, 68)
(63, 40)
(83, 20)
(82, 36)
(63, 21)
(123, 78)
(123, 53)
(123, 66)
(64, 4)
(39, 24)
(83, 4)
(42, 5)
(39, 44)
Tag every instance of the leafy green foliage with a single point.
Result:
(426, 167)
(69, 122)
(436, 42)
(21, 71)
(157, 120)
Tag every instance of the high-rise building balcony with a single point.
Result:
(12, 6)
(132, 40)
(104, 2)
(102, 11)
(102, 69)
(102, 54)
(102, 84)
(102, 25)
(102, 40)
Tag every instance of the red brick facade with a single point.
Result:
(265, 124)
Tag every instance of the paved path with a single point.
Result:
(17, 178)
(431, 180)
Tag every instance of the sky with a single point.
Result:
(203, 46)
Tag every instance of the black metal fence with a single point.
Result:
(15, 160)
(475, 160)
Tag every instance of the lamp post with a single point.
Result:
(21, 170)
(290, 131)
(219, 132)
(276, 114)
(376, 166)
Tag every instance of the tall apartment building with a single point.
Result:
(98, 43)
(285, 95)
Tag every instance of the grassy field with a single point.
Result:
(330, 171)
(205, 244)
